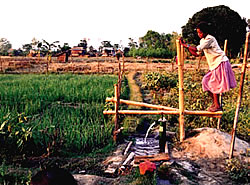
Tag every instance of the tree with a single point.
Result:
(132, 43)
(152, 44)
(83, 43)
(172, 42)
(248, 24)
(48, 45)
(5, 45)
(155, 40)
(27, 48)
(34, 43)
(106, 44)
(64, 48)
(116, 46)
(225, 24)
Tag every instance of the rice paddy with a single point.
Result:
(58, 113)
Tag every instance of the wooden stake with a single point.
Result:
(98, 66)
(181, 89)
(225, 47)
(119, 77)
(220, 97)
(173, 61)
(123, 64)
(239, 96)
(1, 64)
(199, 63)
(116, 113)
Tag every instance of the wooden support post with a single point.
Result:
(123, 64)
(181, 89)
(199, 63)
(1, 64)
(116, 112)
(220, 97)
(173, 61)
(225, 47)
(244, 65)
(98, 66)
(119, 78)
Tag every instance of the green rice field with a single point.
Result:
(54, 113)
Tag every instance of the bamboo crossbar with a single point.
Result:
(141, 104)
(159, 112)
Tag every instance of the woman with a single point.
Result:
(220, 77)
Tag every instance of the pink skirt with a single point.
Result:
(219, 80)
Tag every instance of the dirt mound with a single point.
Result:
(210, 143)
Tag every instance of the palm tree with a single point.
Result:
(48, 46)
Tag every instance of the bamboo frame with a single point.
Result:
(220, 96)
(242, 77)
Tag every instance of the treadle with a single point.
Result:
(217, 114)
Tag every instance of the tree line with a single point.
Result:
(225, 24)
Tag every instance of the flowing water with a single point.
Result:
(145, 139)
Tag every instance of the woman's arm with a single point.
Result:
(192, 49)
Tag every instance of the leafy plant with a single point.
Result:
(9, 175)
(15, 126)
(237, 171)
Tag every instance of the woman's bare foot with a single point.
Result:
(214, 108)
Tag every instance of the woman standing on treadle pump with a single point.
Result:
(220, 77)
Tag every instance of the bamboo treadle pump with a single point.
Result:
(160, 109)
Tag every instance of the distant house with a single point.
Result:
(77, 51)
(10, 52)
(32, 53)
(63, 56)
(108, 51)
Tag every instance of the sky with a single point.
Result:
(70, 21)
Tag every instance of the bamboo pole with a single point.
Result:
(123, 64)
(181, 89)
(220, 96)
(98, 66)
(116, 112)
(119, 78)
(117, 102)
(141, 104)
(182, 55)
(243, 71)
(225, 47)
(199, 63)
(173, 61)
(158, 112)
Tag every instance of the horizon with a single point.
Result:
(114, 21)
